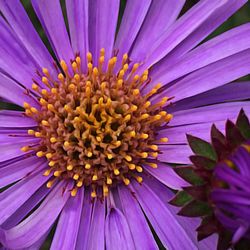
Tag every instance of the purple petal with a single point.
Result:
(183, 27)
(13, 92)
(15, 119)
(83, 232)
(132, 20)
(67, 228)
(102, 26)
(164, 223)
(16, 171)
(166, 175)
(77, 13)
(18, 19)
(117, 231)
(207, 114)
(211, 76)
(225, 45)
(140, 230)
(235, 91)
(15, 196)
(96, 231)
(51, 18)
(37, 224)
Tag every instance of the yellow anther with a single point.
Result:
(26, 105)
(70, 167)
(131, 166)
(33, 110)
(31, 132)
(110, 156)
(135, 67)
(76, 177)
(53, 90)
(229, 163)
(89, 154)
(28, 112)
(98, 138)
(121, 73)
(147, 104)
(87, 166)
(94, 178)
(74, 66)
(101, 59)
(144, 116)
(77, 77)
(154, 154)
(78, 60)
(136, 92)
(45, 123)
(66, 144)
(119, 83)
(139, 169)
(164, 139)
(139, 179)
(52, 163)
(144, 136)
(124, 58)
(35, 87)
(47, 172)
(118, 143)
(134, 108)
(45, 71)
(25, 149)
(67, 108)
(48, 155)
(132, 133)
(169, 117)
(57, 173)
(153, 165)
(144, 154)
(126, 181)
(50, 107)
(40, 154)
(74, 192)
(128, 158)
(71, 87)
(38, 134)
(53, 140)
(44, 92)
(64, 66)
(42, 101)
(93, 194)
(109, 181)
(127, 118)
(95, 71)
(102, 52)
(60, 77)
(90, 67)
(89, 57)
(45, 80)
(163, 113)
(50, 184)
(125, 67)
(154, 147)
(79, 184)
(116, 171)
(105, 190)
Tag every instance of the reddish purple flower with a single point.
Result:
(98, 114)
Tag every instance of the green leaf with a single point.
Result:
(202, 162)
(233, 134)
(180, 199)
(243, 124)
(188, 174)
(201, 147)
(196, 209)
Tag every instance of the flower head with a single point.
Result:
(104, 116)
(220, 194)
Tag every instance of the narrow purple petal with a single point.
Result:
(13, 92)
(161, 15)
(211, 76)
(166, 175)
(96, 231)
(225, 45)
(15, 196)
(117, 232)
(103, 16)
(77, 13)
(18, 19)
(37, 224)
(133, 17)
(51, 18)
(235, 91)
(84, 227)
(140, 230)
(164, 223)
(67, 228)
(183, 27)
(15, 119)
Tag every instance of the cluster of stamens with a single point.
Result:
(96, 128)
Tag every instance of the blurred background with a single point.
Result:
(242, 16)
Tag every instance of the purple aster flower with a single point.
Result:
(220, 192)
(90, 153)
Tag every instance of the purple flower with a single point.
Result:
(98, 115)
(233, 202)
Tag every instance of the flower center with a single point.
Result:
(96, 128)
